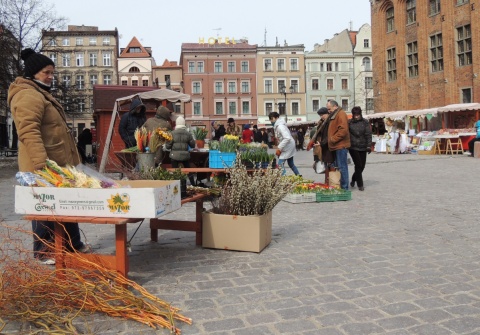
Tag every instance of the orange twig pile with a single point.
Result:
(51, 298)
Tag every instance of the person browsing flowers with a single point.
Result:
(286, 146)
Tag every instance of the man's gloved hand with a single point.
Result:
(369, 150)
(278, 152)
(310, 145)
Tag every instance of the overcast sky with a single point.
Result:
(165, 25)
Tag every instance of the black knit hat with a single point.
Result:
(322, 111)
(34, 62)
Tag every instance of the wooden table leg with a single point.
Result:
(153, 234)
(198, 221)
(121, 257)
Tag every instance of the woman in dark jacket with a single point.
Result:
(360, 145)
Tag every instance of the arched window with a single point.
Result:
(366, 64)
(134, 69)
(390, 20)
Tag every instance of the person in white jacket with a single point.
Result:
(286, 148)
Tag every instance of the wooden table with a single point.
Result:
(118, 262)
(196, 226)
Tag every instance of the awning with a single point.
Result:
(460, 107)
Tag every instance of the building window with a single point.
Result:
(314, 84)
(52, 42)
(65, 60)
(295, 109)
(434, 7)
(467, 95)
(412, 59)
(294, 85)
(366, 64)
(293, 64)
(133, 69)
(80, 82)
(232, 87)
(124, 82)
(54, 83)
(280, 64)
(232, 107)
(329, 84)
(315, 105)
(106, 41)
(107, 79)
(345, 104)
(107, 59)
(368, 83)
(196, 89)
(134, 82)
(79, 41)
(390, 19)
(268, 64)
(196, 108)
(369, 104)
(245, 66)
(411, 11)
(81, 105)
(280, 84)
(391, 64)
(200, 67)
(92, 41)
(436, 52)
(218, 67)
(66, 80)
(145, 82)
(93, 80)
(218, 87)
(321, 67)
(329, 67)
(461, 2)
(93, 59)
(245, 87)
(53, 57)
(218, 107)
(191, 67)
(79, 58)
(231, 67)
(464, 45)
(344, 84)
(134, 50)
(268, 86)
(66, 42)
(366, 43)
(268, 108)
(245, 107)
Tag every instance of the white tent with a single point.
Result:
(460, 107)
(155, 95)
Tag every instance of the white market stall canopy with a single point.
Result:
(155, 95)
(460, 107)
(397, 115)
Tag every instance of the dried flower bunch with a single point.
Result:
(254, 193)
(147, 141)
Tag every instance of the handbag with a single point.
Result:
(319, 167)
(317, 151)
(334, 178)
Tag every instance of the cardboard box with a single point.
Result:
(233, 232)
(137, 199)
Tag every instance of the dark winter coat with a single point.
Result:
(130, 122)
(360, 134)
(219, 132)
(182, 139)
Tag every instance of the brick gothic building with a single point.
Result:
(425, 53)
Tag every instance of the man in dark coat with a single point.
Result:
(219, 130)
(130, 121)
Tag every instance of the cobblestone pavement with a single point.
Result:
(399, 258)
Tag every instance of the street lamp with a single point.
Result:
(283, 90)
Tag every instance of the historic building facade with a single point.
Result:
(281, 82)
(135, 64)
(220, 77)
(425, 53)
(84, 56)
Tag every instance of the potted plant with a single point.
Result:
(199, 133)
(241, 217)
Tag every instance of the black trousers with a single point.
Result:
(359, 159)
(43, 231)
(186, 164)
(471, 145)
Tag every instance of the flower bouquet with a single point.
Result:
(229, 143)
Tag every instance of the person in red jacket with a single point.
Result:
(247, 134)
